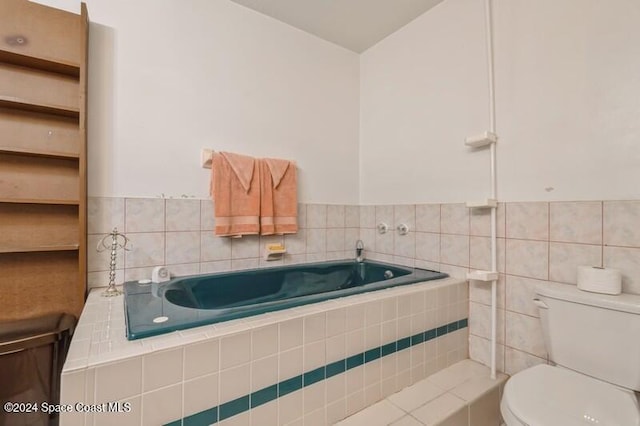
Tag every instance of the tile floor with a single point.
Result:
(460, 395)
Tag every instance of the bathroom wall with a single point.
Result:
(537, 242)
(168, 79)
(229, 78)
(566, 104)
(566, 111)
(423, 90)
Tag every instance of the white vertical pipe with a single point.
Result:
(492, 119)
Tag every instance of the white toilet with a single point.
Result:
(594, 340)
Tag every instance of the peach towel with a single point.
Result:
(235, 189)
(279, 192)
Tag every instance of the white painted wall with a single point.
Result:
(422, 91)
(568, 99)
(72, 6)
(568, 110)
(168, 78)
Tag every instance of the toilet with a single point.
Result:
(594, 341)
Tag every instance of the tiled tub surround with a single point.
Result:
(216, 370)
(179, 233)
(537, 242)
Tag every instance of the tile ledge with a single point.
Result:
(109, 312)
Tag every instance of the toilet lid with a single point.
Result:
(545, 395)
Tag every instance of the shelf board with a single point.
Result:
(43, 64)
(24, 105)
(39, 201)
(63, 247)
(486, 276)
(483, 204)
(37, 153)
(487, 138)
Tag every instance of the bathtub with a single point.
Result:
(316, 363)
(186, 302)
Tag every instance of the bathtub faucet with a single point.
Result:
(359, 250)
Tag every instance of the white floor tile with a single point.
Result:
(407, 421)
(379, 414)
(458, 373)
(476, 386)
(438, 409)
(431, 400)
(414, 396)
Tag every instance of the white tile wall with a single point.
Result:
(182, 215)
(105, 214)
(576, 222)
(538, 241)
(179, 233)
(159, 406)
(144, 215)
(621, 220)
(528, 258)
(201, 393)
(316, 216)
(335, 216)
(454, 219)
(528, 221)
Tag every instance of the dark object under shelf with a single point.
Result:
(32, 353)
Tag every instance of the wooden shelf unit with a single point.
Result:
(71, 247)
(43, 136)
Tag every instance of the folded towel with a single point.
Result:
(279, 192)
(235, 188)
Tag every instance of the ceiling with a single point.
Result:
(353, 24)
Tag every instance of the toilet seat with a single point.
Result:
(547, 396)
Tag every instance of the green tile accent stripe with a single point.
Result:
(234, 407)
(268, 394)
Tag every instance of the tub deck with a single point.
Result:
(186, 302)
(265, 369)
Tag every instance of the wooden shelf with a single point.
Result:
(38, 178)
(57, 66)
(24, 105)
(40, 201)
(43, 164)
(37, 283)
(37, 153)
(30, 132)
(68, 247)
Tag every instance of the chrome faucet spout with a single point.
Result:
(359, 250)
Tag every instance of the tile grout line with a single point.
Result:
(602, 234)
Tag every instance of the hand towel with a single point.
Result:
(235, 189)
(279, 193)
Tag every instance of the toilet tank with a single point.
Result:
(594, 334)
